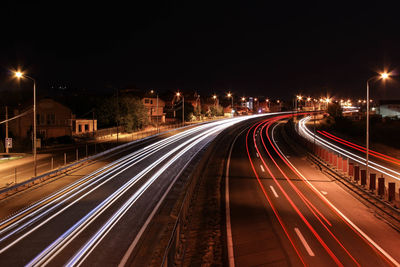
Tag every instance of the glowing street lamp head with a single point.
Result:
(152, 91)
(243, 99)
(19, 74)
(229, 94)
(178, 94)
(255, 99)
(308, 99)
(384, 75)
(214, 96)
(299, 97)
(267, 100)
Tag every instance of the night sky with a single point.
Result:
(250, 48)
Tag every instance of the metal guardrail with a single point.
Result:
(34, 180)
(389, 208)
(175, 249)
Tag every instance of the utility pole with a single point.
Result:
(93, 120)
(117, 116)
(157, 112)
(183, 110)
(6, 129)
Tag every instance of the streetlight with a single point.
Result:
(20, 75)
(269, 104)
(215, 100)
(298, 97)
(382, 76)
(256, 100)
(152, 92)
(229, 95)
(178, 94)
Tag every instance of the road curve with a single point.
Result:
(284, 212)
(94, 220)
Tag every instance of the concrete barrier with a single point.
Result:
(372, 181)
(363, 177)
(335, 160)
(391, 192)
(356, 173)
(381, 186)
(351, 169)
(345, 165)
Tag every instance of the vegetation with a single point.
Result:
(128, 112)
(383, 131)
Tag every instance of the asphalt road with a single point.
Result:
(379, 163)
(17, 171)
(94, 220)
(285, 212)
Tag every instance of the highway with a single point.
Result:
(101, 216)
(378, 162)
(282, 211)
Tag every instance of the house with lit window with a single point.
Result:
(155, 108)
(53, 119)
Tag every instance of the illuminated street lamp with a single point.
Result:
(20, 75)
(298, 97)
(269, 104)
(382, 76)
(215, 100)
(229, 95)
(256, 100)
(178, 94)
(152, 92)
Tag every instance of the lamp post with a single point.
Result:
(20, 75)
(269, 104)
(178, 94)
(298, 97)
(231, 96)
(383, 76)
(152, 92)
(215, 100)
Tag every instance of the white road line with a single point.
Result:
(355, 227)
(262, 168)
(257, 155)
(231, 257)
(303, 240)
(273, 191)
(324, 192)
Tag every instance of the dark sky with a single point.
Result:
(251, 48)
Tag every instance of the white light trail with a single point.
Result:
(305, 132)
(53, 249)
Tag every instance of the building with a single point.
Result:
(389, 108)
(53, 119)
(155, 110)
(83, 126)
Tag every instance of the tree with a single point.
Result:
(335, 110)
(133, 114)
(106, 112)
(129, 113)
(216, 110)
